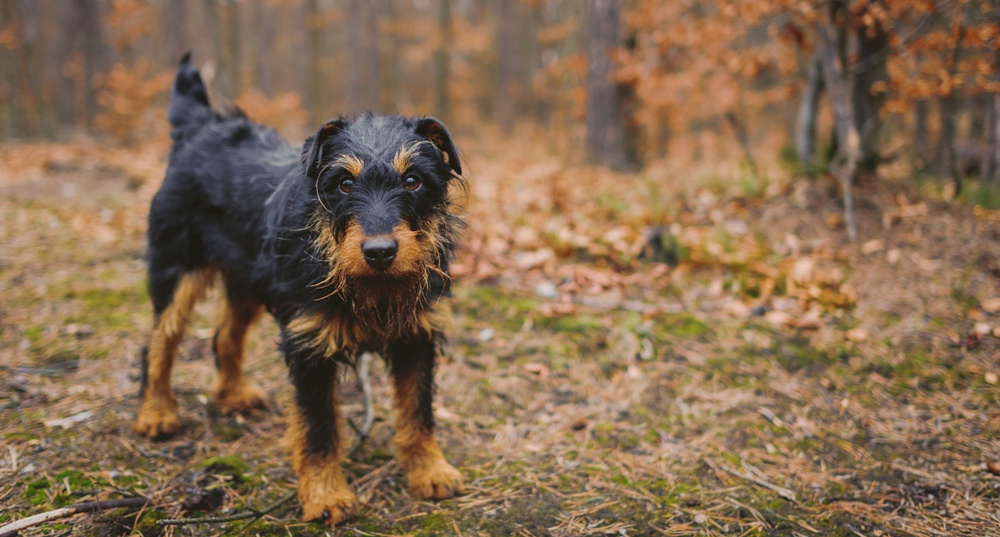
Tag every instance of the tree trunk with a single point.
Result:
(870, 69)
(845, 164)
(605, 122)
(506, 43)
(314, 89)
(69, 47)
(234, 60)
(989, 128)
(442, 62)
(947, 154)
(264, 57)
(995, 149)
(920, 138)
(93, 57)
(363, 80)
(805, 137)
(175, 29)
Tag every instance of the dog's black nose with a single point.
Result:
(379, 252)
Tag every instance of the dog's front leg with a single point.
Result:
(428, 474)
(315, 440)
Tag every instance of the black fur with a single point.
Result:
(239, 198)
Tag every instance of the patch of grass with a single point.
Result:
(504, 310)
(983, 194)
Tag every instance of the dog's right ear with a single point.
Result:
(312, 150)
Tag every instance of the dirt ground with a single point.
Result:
(753, 375)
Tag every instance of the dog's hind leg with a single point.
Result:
(428, 474)
(158, 414)
(231, 387)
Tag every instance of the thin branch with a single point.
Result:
(252, 513)
(780, 491)
(12, 529)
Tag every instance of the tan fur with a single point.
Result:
(231, 387)
(327, 334)
(388, 306)
(403, 158)
(428, 474)
(158, 413)
(350, 163)
(436, 319)
(323, 489)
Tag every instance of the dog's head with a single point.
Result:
(383, 216)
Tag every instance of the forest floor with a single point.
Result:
(777, 381)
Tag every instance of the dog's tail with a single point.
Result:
(190, 101)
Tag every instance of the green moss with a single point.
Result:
(113, 298)
(572, 324)
(35, 491)
(682, 325)
(34, 333)
(230, 465)
(495, 307)
(436, 524)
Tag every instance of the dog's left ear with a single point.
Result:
(438, 134)
(312, 150)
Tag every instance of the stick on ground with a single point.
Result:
(252, 513)
(10, 530)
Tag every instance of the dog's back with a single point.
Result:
(222, 169)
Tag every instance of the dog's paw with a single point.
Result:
(329, 507)
(157, 418)
(243, 396)
(435, 480)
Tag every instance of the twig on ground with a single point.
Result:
(362, 368)
(364, 377)
(252, 513)
(10, 530)
(780, 491)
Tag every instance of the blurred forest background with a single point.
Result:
(853, 83)
(662, 325)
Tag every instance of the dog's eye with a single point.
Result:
(346, 186)
(412, 182)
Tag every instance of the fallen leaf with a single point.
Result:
(737, 309)
(893, 256)
(539, 369)
(872, 246)
(991, 378)
(991, 305)
(777, 318)
(856, 334)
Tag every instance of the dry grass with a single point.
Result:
(777, 382)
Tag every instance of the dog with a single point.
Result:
(345, 241)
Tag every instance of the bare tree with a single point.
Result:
(442, 61)
(836, 80)
(805, 136)
(605, 119)
(506, 38)
(363, 59)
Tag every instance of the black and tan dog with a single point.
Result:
(345, 242)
